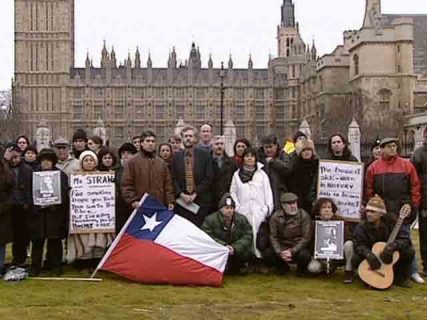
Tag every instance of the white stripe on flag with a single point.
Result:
(187, 240)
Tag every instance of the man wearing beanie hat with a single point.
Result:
(79, 142)
(232, 230)
(396, 180)
(377, 228)
(290, 234)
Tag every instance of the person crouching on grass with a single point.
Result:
(324, 209)
(49, 222)
(232, 230)
(377, 228)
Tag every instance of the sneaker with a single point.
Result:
(403, 283)
(417, 278)
(348, 277)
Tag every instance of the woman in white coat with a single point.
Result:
(251, 190)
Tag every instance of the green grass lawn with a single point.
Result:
(241, 297)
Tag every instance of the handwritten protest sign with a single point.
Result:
(329, 240)
(92, 203)
(47, 188)
(343, 182)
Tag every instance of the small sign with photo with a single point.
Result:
(47, 188)
(329, 240)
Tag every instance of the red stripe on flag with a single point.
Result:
(147, 262)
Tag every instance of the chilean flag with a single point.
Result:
(158, 246)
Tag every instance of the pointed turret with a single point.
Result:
(104, 56)
(137, 59)
(194, 60)
(250, 63)
(149, 62)
(210, 62)
(313, 52)
(230, 62)
(113, 58)
(288, 14)
(87, 62)
(129, 61)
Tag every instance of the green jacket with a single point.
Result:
(239, 237)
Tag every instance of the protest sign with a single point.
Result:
(343, 182)
(47, 188)
(329, 240)
(92, 203)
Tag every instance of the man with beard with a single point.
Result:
(290, 234)
(223, 168)
(192, 175)
(147, 173)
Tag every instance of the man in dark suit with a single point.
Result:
(192, 176)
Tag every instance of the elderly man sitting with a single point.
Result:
(290, 234)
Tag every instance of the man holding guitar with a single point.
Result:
(381, 247)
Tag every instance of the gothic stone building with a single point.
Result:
(375, 76)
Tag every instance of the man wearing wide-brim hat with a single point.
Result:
(290, 234)
(396, 181)
(66, 162)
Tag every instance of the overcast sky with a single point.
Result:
(219, 27)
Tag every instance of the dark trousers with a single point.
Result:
(20, 235)
(198, 218)
(422, 229)
(54, 256)
(235, 264)
(301, 258)
(402, 268)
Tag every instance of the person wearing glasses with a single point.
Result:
(66, 162)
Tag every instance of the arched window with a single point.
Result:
(287, 42)
(385, 99)
(356, 64)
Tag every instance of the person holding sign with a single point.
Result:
(378, 228)
(49, 222)
(324, 209)
(291, 234)
(86, 248)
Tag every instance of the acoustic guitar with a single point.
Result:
(382, 278)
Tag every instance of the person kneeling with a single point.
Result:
(232, 230)
(290, 234)
(377, 228)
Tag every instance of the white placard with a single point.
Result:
(47, 188)
(92, 203)
(329, 240)
(343, 182)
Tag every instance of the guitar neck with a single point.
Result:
(396, 229)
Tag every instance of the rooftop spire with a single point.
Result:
(288, 14)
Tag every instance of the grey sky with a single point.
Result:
(219, 27)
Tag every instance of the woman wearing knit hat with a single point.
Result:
(85, 250)
(378, 228)
(303, 174)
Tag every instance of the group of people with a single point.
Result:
(261, 202)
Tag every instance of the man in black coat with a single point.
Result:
(223, 168)
(192, 176)
(20, 203)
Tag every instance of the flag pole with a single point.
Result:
(119, 236)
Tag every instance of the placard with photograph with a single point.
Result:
(47, 188)
(329, 240)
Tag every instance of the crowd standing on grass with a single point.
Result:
(261, 203)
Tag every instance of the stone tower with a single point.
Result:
(44, 55)
(287, 30)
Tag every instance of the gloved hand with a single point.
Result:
(373, 261)
(387, 255)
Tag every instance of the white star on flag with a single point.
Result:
(150, 223)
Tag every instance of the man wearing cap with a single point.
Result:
(290, 234)
(419, 159)
(66, 162)
(377, 228)
(396, 181)
(232, 230)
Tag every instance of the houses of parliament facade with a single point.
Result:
(377, 72)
